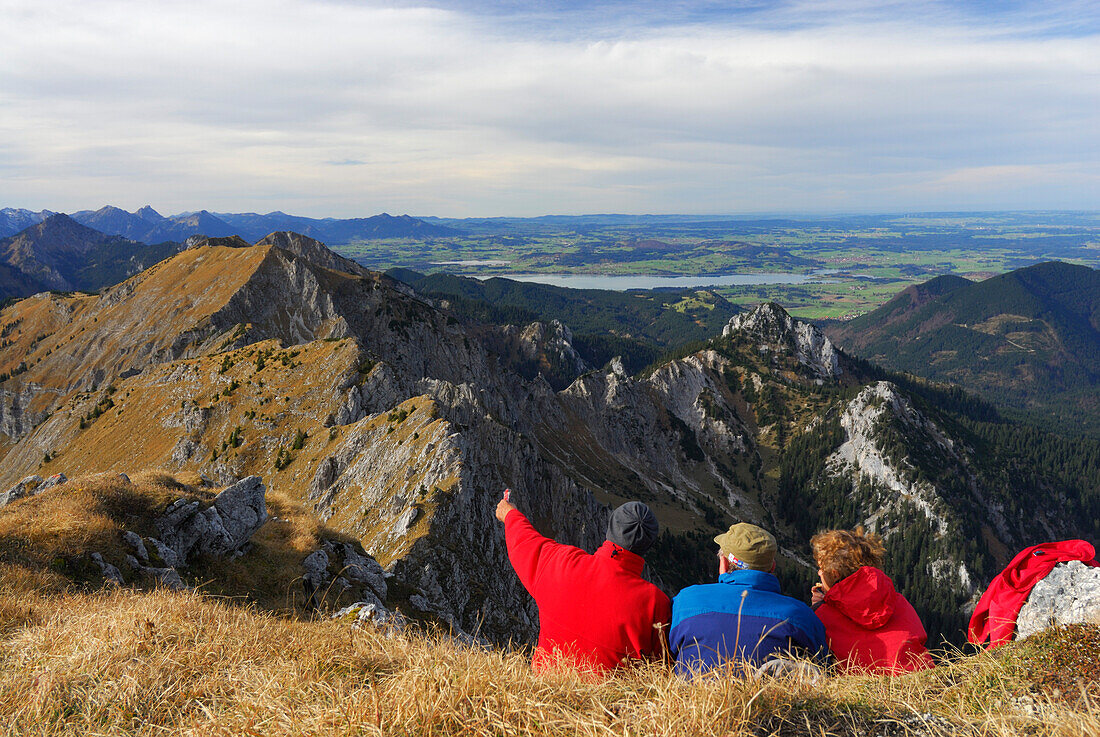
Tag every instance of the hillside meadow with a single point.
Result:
(79, 659)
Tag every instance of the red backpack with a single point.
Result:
(994, 620)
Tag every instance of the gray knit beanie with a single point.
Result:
(633, 526)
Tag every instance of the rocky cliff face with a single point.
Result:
(774, 329)
(881, 430)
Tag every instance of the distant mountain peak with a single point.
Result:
(111, 210)
(60, 225)
(150, 215)
(1026, 339)
(773, 326)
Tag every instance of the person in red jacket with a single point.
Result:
(596, 612)
(871, 628)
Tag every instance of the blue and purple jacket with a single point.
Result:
(742, 617)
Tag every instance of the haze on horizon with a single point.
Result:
(463, 108)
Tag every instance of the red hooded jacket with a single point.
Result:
(994, 618)
(871, 627)
(596, 611)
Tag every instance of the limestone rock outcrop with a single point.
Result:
(218, 530)
(335, 567)
(26, 487)
(187, 528)
(773, 327)
(1069, 594)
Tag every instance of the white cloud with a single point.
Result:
(251, 105)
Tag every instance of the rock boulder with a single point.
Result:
(26, 487)
(220, 529)
(1070, 594)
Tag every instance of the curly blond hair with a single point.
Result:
(840, 553)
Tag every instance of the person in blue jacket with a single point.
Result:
(743, 618)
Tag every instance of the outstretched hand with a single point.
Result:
(504, 506)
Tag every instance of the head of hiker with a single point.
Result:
(633, 527)
(596, 612)
(870, 626)
(746, 546)
(742, 620)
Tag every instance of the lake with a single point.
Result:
(622, 283)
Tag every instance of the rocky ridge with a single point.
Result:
(864, 458)
(772, 326)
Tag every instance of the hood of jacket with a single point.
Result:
(867, 597)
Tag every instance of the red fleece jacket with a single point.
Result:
(871, 627)
(994, 618)
(596, 611)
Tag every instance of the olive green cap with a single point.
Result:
(750, 544)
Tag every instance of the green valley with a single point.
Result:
(857, 262)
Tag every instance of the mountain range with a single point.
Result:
(1028, 340)
(148, 226)
(60, 254)
(399, 422)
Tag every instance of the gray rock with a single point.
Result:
(26, 487)
(365, 570)
(217, 530)
(56, 480)
(169, 556)
(110, 573)
(372, 612)
(169, 578)
(134, 541)
(179, 528)
(405, 522)
(316, 568)
(1069, 594)
(315, 576)
(242, 509)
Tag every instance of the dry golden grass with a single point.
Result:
(125, 662)
(45, 540)
(42, 535)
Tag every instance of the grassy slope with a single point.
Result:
(121, 662)
(46, 541)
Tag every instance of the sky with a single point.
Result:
(460, 108)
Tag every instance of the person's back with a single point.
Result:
(596, 612)
(872, 628)
(742, 618)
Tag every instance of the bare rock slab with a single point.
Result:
(219, 529)
(1069, 594)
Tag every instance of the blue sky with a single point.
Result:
(461, 108)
